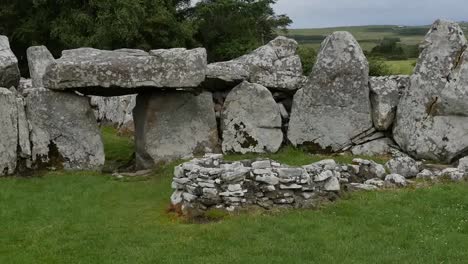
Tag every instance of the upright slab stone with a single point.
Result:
(39, 58)
(251, 120)
(333, 108)
(173, 125)
(432, 117)
(275, 65)
(116, 110)
(9, 132)
(64, 131)
(125, 71)
(9, 71)
(385, 96)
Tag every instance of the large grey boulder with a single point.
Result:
(119, 72)
(333, 108)
(9, 132)
(173, 125)
(39, 58)
(116, 110)
(251, 121)
(385, 96)
(64, 131)
(432, 117)
(275, 65)
(9, 71)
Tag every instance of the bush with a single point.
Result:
(308, 57)
(378, 67)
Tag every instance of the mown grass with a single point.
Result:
(405, 67)
(86, 217)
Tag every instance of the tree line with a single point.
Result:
(226, 28)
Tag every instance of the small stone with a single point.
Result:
(426, 175)
(290, 187)
(176, 197)
(268, 179)
(263, 164)
(323, 176)
(463, 165)
(396, 179)
(189, 197)
(365, 187)
(234, 187)
(290, 172)
(405, 166)
(376, 182)
(332, 185)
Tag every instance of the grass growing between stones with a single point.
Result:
(85, 217)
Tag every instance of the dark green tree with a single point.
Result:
(231, 28)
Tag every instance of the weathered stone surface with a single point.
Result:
(385, 96)
(119, 72)
(463, 165)
(369, 169)
(432, 116)
(173, 125)
(39, 58)
(405, 166)
(9, 132)
(116, 110)
(275, 65)
(396, 179)
(64, 131)
(251, 120)
(333, 108)
(24, 84)
(24, 143)
(383, 146)
(9, 72)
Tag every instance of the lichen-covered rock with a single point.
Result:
(405, 166)
(463, 165)
(382, 146)
(9, 71)
(251, 121)
(333, 108)
(39, 58)
(432, 116)
(385, 96)
(369, 169)
(396, 179)
(173, 125)
(64, 131)
(119, 72)
(116, 110)
(24, 143)
(275, 65)
(9, 132)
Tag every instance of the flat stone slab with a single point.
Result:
(100, 72)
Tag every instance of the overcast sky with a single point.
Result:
(330, 13)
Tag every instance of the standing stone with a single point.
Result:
(385, 96)
(116, 110)
(251, 121)
(275, 65)
(9, 132)
(432, 117)
(126, 71)
(64, 131)
(9, 71)
(24, 143)
(39, 58)
(173, 125)
(333, 108)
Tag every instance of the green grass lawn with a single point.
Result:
(85, 217)
(404, 67)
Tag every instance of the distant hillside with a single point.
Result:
(367, 36)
